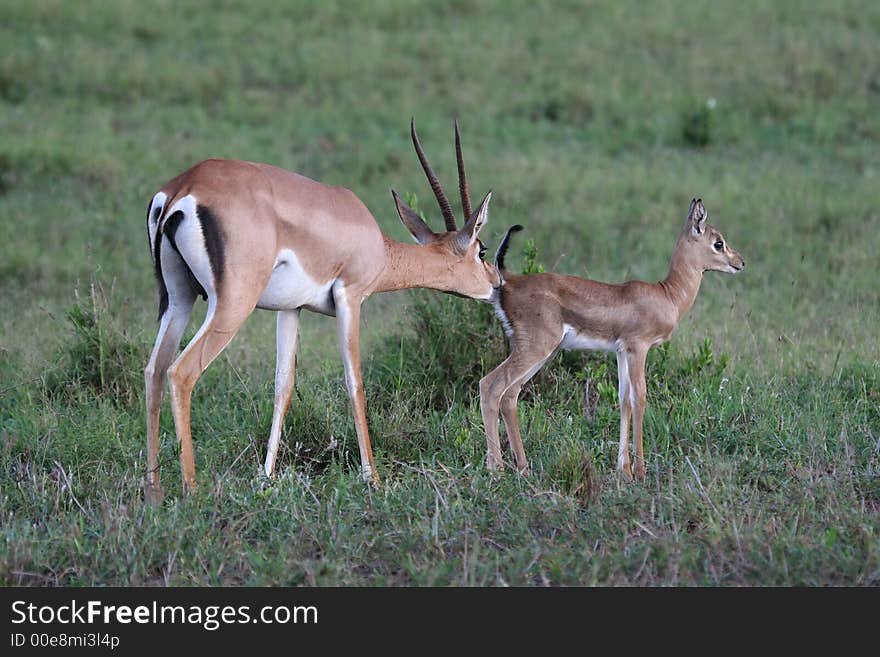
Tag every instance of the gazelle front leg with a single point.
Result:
(623, 391)
(492, 388)
(348, 311)
(636, 367)
(285, 368)
(520, 366)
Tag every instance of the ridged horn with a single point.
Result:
(445, 208)
(462, 178)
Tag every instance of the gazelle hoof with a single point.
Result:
(370, 476)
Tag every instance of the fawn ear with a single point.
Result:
(696, 219)
(413, 222)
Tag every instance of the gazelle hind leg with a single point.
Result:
(520, 366)
(285, 368)
(492, 387)
(511, 417)
(222, 322)
(171, 330)
(511, 423)
(175, 317)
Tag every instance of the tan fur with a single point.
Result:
(628, 318)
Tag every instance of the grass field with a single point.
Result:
(594, 124)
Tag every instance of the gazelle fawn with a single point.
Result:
(246, 236)
(542, 313)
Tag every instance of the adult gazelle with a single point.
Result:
(246, 235)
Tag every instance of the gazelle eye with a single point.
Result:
(718, 245)
(482, 252)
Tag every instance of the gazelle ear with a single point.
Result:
(413, 222)
(696, 218)
(468, 234)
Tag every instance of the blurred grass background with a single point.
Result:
(594, 123)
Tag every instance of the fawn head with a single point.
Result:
(705, 245)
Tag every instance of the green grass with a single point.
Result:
(594, 124)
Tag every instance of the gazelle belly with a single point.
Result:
(572, 340)
(291, 287)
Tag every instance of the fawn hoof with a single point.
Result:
(153, 494)
(494, 463)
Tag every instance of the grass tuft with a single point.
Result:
(696, 126)
(99, 356)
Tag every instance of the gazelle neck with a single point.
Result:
(682, 283)
(413, 265)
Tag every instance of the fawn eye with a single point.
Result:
(718, 245)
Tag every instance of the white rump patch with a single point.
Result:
(158, 202)
(190, 242)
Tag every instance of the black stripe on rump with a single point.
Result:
(169, 229)
(214, 241)
(214, 244)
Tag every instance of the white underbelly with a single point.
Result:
(574, 341)
(291, 287)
